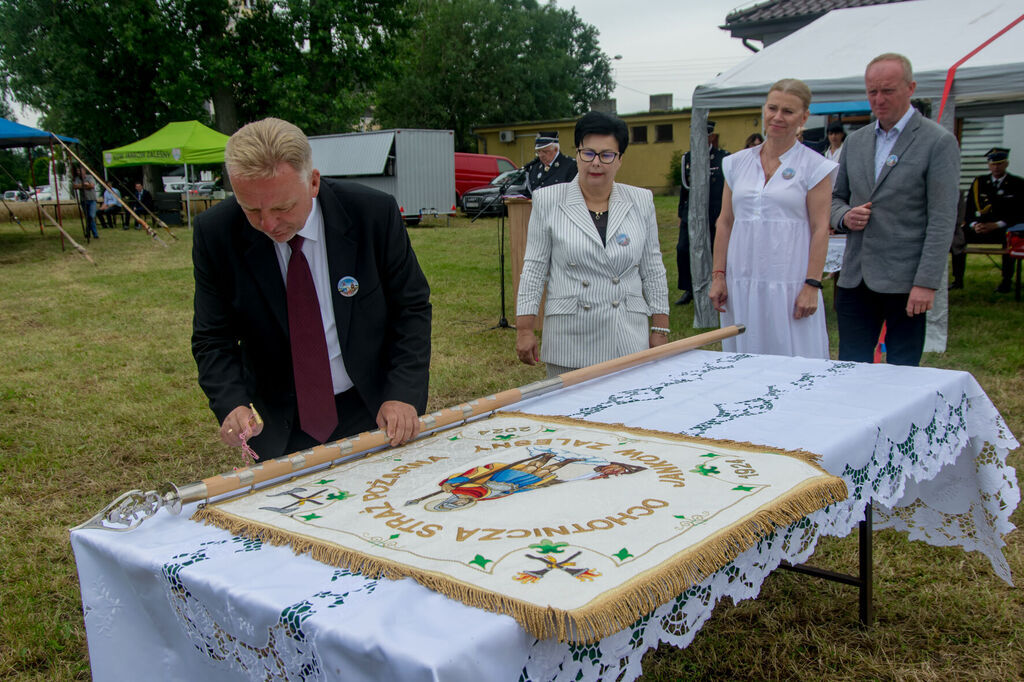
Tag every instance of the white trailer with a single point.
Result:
(416, 167)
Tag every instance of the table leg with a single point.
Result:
(864, 579)
(867, 610)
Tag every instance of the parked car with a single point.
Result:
(178, 187)
(15, 195)
(202, 189)
(44, 193)
(473, 170)
(485, 201)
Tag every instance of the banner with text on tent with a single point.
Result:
(575, 529)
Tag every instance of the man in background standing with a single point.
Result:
(551, 166)
(896, 195)
(85, 185)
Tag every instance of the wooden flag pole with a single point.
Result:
(135, 506)
(78, 247)
(124, 205)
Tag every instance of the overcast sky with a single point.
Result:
(667, 46)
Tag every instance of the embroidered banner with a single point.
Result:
(574, 529)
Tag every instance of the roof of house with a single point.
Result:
(784, 10)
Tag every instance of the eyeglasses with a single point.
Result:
(589, 154)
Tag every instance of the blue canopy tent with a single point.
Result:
(17, 135)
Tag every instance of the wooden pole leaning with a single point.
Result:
(133, 507)
(78, 247)
(124, 204)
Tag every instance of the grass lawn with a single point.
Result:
(98, 395)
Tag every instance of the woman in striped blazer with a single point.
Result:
(594, 242)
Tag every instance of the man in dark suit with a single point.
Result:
(551, 166)
(896, 196)
(310, 304)
(717, 184)
(142, 203)
(995, 201)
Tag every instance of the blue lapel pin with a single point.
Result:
(348, 286)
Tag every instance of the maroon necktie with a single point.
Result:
(314, 389)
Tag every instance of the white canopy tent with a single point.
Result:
(830, 55)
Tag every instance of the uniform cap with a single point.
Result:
(546, 139)
(997, 154)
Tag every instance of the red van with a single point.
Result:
(473, 170)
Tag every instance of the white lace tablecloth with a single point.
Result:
(174, 599)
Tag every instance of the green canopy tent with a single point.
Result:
(183, 142)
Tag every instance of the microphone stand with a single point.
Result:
(517, 176)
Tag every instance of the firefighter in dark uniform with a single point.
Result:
(551, 166)
(717, 184)
(995, 202)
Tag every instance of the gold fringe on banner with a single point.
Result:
(615, 609)
(612, 611)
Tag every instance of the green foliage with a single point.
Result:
(110, 73)
(675, 169)
(40, 170)
(14, 165)
(470, 62)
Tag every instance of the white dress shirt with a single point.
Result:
(314, 248)
(886, 140)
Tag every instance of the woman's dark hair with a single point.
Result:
(836, 127)
(753, 140)
(600, 123)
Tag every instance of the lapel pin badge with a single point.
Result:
(348, 286)
(891, 160)
(788, 174)
(622, 239)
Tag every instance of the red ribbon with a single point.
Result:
(979, 48)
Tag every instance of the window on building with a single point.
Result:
(663, 133)
(639, 134)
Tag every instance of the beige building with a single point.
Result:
(653, 137)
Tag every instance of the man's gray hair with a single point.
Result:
(258, 148)
(908, 70)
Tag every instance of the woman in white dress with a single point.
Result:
(773, 235)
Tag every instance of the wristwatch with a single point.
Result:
(816, 283)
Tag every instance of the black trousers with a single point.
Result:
(683, 255)
(860, 313)
(108, 216)
(353, 418)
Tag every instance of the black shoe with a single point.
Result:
(685, 298)
(1004, 287)
(956, 285)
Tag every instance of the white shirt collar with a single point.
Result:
(900, 124)
(314, 228)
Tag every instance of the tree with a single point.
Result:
(470, 62)
(111, 72)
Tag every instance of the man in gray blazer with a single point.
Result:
(896, 195)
